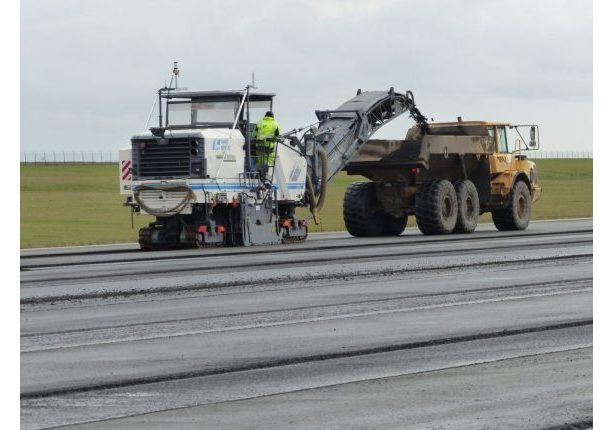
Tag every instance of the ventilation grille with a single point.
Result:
(171, 160)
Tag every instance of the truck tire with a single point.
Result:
(468, 207)
(394, 226)
(436, 207)
(363, 216)
(516, 215)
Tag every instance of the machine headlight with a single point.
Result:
(194, 148)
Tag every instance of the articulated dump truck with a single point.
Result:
(446, 175)
(195, 172)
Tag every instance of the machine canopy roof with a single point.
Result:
(216, 95)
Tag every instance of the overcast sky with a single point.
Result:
(89, 70)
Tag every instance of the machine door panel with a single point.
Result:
(501, 161)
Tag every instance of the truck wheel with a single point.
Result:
(362, 213)
(436, 207)
(394, 226)
(468, 207)
(516, 215)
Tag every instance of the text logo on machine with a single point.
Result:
(295, 172)
(126, 173)
(221, 145)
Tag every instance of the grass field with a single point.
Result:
(566, 183)
(78, 205)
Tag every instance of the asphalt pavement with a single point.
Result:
(486, 330)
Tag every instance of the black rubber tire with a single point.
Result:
(394, 226)
(516, 215)
(363, 215)
(436, 207)
(468, 207)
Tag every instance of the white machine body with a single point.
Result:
(224, 177)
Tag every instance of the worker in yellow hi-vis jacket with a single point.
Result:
(266, 131)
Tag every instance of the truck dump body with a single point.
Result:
(444, 155)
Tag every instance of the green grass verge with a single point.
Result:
(79, 205)
(73, 205)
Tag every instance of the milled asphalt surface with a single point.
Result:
(461, 331)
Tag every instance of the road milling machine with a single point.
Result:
(195, 171)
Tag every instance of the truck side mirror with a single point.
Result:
(533, 137)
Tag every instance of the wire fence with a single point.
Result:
(69, 157)
(559, 154)
(111, 157)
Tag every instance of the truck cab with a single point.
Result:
(507, 163)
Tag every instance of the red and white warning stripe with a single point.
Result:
(126, 164)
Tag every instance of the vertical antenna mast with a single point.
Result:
(175, 74)
(168, 89)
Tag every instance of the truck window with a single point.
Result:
(503, 142)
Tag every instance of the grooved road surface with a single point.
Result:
(462, 331)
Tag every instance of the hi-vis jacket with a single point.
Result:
(266, 131)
